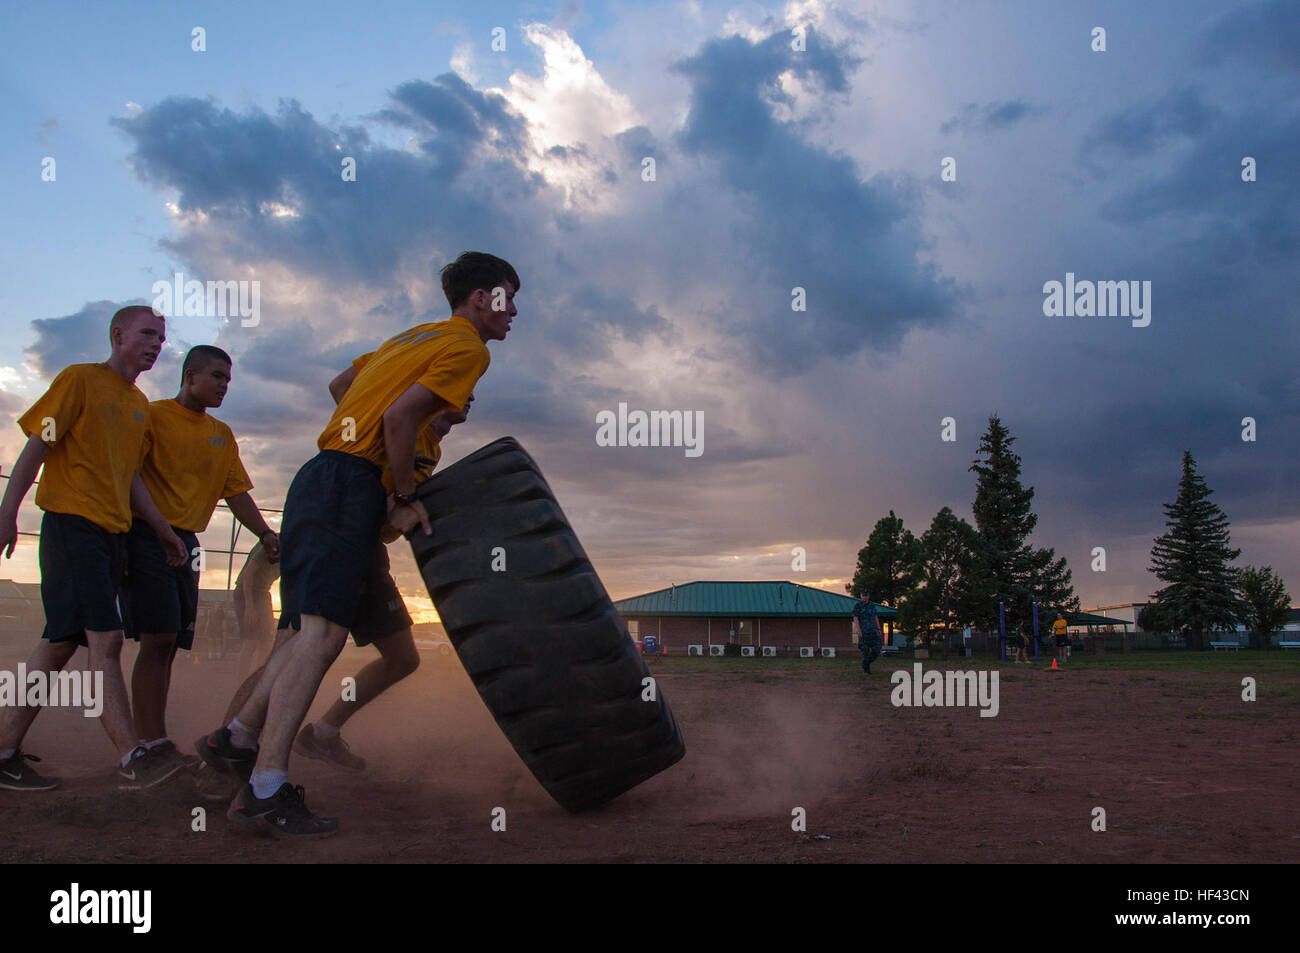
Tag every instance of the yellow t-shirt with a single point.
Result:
(426, 442)
(447, 357)
(94, 421)
(1059, 627)
(191, 461)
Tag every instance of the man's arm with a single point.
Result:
(143, 504)
(339, 386)
(246, 512)
(401, 423)
(20, 481)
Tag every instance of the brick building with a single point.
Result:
(745, 614)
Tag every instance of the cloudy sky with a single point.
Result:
(796, 146)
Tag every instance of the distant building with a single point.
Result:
(754, 614)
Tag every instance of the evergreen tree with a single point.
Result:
(1264, 604)
(889, 564)
(1015, 573)
(1192, 556)
(949, 549)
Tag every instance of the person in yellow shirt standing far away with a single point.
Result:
(190, 462)
(88, 430)
(1061, 629)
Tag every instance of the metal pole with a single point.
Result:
(1035, 633)
(230, 561)
(1002, 629)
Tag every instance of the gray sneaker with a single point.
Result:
(15, 775)
(334, 750)
(147, 769)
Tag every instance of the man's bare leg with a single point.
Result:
(253, 655)
(245, 691)
(398, 658)
(150, 680)
(106, 657)
(50, 658)
(291, 690)
(256, 689)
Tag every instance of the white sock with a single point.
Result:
(266, 783)
(156, 742)
(132, 754)
(8, 753)
(242, 736)
(324, 729)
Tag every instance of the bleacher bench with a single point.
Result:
(1288, 645)
(889, 650)
(1225, 645)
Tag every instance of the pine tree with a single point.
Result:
(1013, 571)
(1192, 557)
(949, 550)
(889, 564)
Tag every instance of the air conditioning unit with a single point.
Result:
(717, 649)
(769, 651)
(747, 651)
(694, 650)
(828, 652)
(805, 651)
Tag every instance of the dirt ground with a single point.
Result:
(1185, 770)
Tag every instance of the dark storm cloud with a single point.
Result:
(1144, 128)
(1266, 35)
(852, 245)
(590, 317)
(241, 169)
(991, 117)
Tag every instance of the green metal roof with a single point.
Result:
(1083, 618)
(732, 599)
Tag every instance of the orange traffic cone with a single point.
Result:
(1054, 668)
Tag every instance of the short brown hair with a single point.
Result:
(474, 270)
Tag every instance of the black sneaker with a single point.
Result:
(284, 814)
(147, 769)
(334, 750)
(214, 785)
(16, 776)
(216, 750)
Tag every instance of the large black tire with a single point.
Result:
(543, 644)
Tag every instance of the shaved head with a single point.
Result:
(125, 317)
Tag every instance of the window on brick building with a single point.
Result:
(634, 629)
(745, 632)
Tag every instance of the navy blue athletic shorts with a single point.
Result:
(158, 597)
(381, 612)
(333, 513)
(82, 565)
